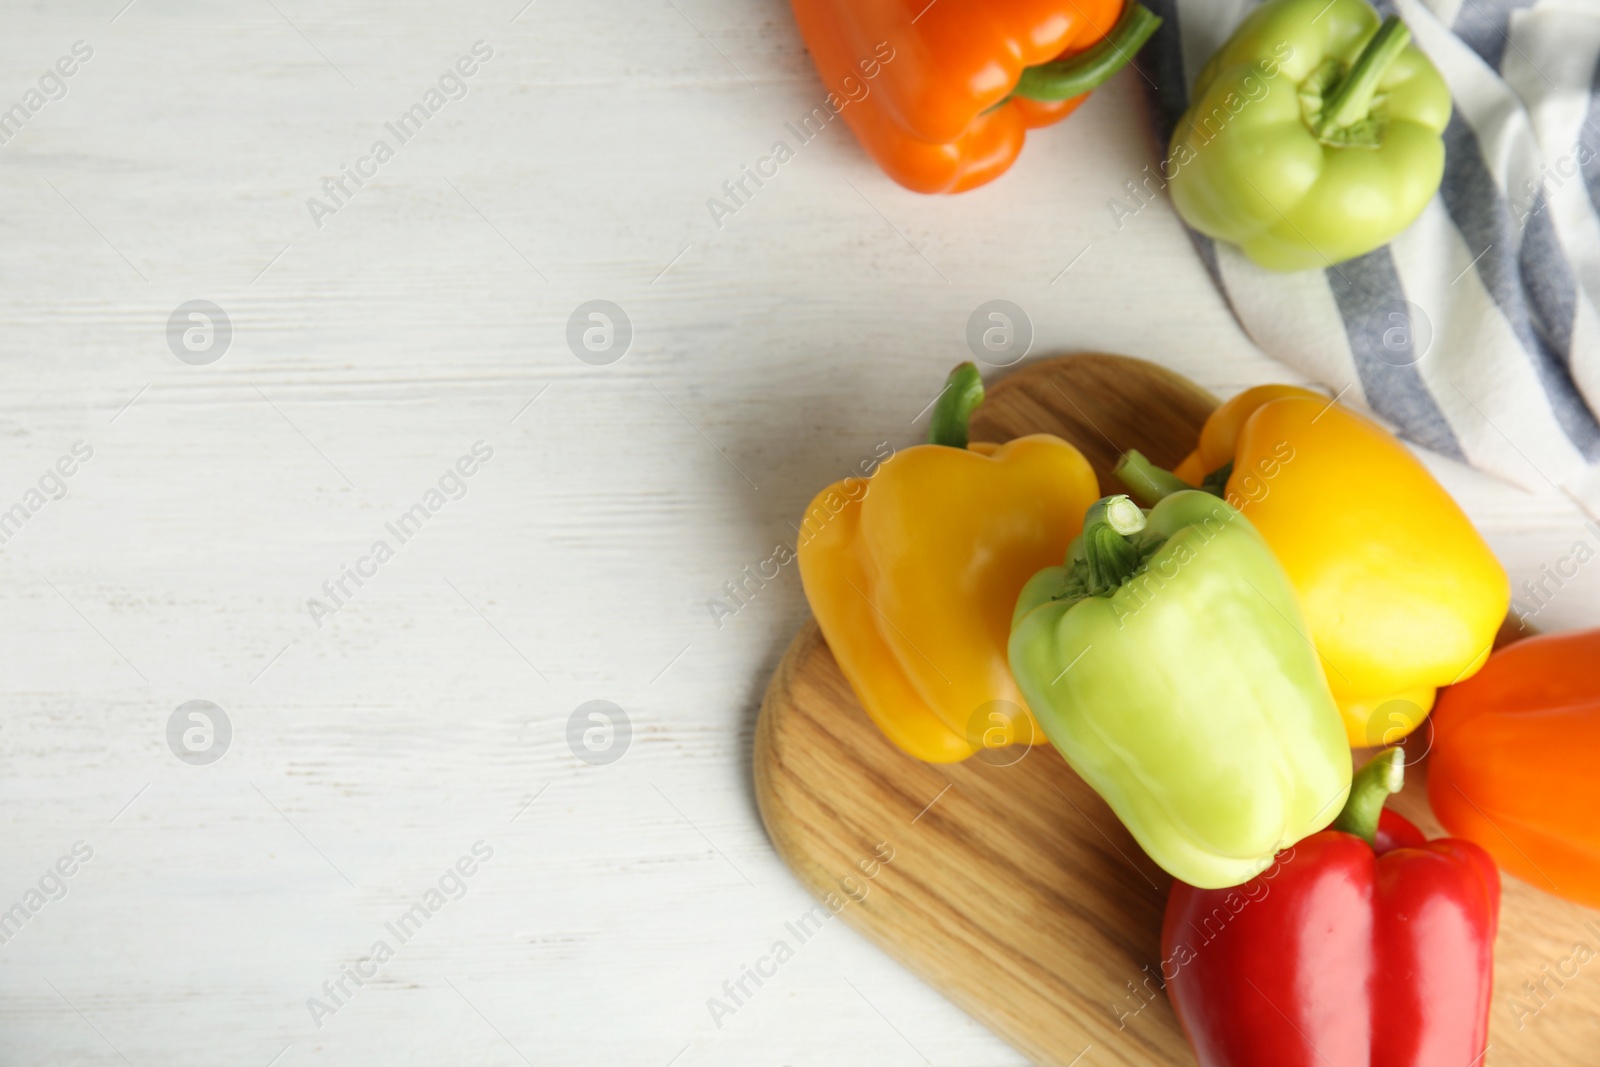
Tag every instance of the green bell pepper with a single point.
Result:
(1313, 136)
(1168, 662)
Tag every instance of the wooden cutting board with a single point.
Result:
(1013, 889)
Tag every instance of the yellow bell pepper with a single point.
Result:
(913, 579)
(1400, 592)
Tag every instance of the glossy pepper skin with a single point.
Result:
(1400, 592)
(1512, 765)
(964, 80)
(912, 575)
(1165, 661)
(1356, 949)
(1302, 145)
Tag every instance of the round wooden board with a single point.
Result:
(1013, 889)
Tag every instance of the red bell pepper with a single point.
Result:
(1365, 945)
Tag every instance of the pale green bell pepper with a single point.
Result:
(1169, 663)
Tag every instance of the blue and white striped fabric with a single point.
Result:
(1476, 331)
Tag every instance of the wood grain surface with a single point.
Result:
(1013, 889)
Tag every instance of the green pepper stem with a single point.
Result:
(963, 392)
(1351, 100)
(1110, 556)
(1117, 512)
(1146, 482)
(1063, 79)
(1368, 790)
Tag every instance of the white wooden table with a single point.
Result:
(372, 746)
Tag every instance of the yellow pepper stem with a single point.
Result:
(1216, 483)
(1369, 789)
(963, 392)
(1146, 482)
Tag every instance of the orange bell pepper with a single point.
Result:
(913, 577)
(968, 78)
(1512, 763)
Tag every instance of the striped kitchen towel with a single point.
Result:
(1476, 331)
